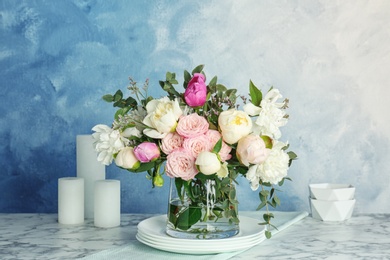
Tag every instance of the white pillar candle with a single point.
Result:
(107, 203)
(89, 169)
(70, 200)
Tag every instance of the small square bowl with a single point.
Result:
(331, 191)
(332, 210)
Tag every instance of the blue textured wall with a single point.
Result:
(57, 58)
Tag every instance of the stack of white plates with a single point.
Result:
(151, 232)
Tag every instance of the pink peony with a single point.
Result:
(192, 125)
(196, 91)
(197, 144)
(181, 164)
(170, 142)
(146, 152)
(251, 149)
(214, 136)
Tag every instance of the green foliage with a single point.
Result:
(198, 69)
(217, 146)
(167, 85)
(292, 157)
(255, 93)
(226, 204)
(188, 217)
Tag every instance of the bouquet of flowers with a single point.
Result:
(198, 135)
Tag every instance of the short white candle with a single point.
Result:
(89, 168)
(70, 200)
(107, 203)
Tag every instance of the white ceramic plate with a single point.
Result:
(151, 232)
(201, 250)
(187, 244)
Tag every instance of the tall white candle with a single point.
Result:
(88, 168)
(70, 200)
(107, 203)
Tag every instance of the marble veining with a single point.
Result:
(39, 236)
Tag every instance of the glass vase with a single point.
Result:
(202, 208)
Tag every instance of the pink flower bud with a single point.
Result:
(146, 152)
(196, 91)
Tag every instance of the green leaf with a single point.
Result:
(188, 217)
(282, 181)
(108, 98)
(188, 190)
(262, 205)
(221, 88)
(267, 217)
(179, 186)
(173, 81)
(187, 78)
(169, 76)
(268, 234)
(118, 95)
(292, 155)
(121, 111)
(267, 140)
(131, 102)
(264, 194)
(217, 146)
(231, 92)
(198, 69)
(145, 167)
(255, 93)
(276, 200)
(213, 82)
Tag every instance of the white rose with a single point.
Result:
(234, 124)
(208, 163)
(162, 117)
(126, 159)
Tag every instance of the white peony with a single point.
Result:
(275, 168)
(271, 115)
(162, 117)
(208, 163)
(126, 159)
(234, 124)
(253, 177)
(107, 143)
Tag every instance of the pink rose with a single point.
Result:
(192, 125)
(181, 164)
(251, 149)
(146, 152)
(196, 91)
(214, 136)
(197, 144)
(170, 142)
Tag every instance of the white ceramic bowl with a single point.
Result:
(332, 210)
(331, 191)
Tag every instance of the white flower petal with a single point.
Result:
(251, 109)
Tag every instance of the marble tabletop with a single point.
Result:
(39, 236)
